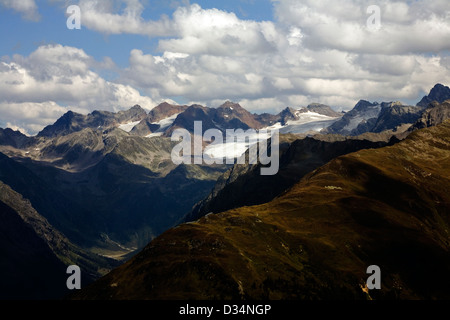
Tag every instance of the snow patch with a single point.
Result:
(371, 112)
(231, 150)
(127, 127)
(163, 125)
(154, 134)
(308, 121)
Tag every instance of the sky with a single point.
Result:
(264, 54)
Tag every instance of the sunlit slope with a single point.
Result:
(388, 207)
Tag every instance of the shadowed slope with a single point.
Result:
(389, 207)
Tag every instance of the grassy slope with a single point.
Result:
(389, 207)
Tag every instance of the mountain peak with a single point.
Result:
(135, 113)
(363, 104)
(136, 106)
(230, 105)
(72, 122)
(164, 110)
(137, 109)
(438, 93)
(164, 104)
(323, 109)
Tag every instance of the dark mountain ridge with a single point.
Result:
(35, 255)
(438, 93)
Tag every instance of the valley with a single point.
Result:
(348, 186)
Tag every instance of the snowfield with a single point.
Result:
(127, 127)
(371, 112)
(309, 121)
(164, 124)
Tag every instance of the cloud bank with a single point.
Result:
(312, 51)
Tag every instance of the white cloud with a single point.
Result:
(340, 67)
(101, 16)
(412, 27)
(313, 51)
(217, 33)
(36, 90)
(27, 8)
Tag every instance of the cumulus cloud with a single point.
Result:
(218, 33)
(313, 51)
(102, 16)
(27, 8)
(411, 27)
(37, 89)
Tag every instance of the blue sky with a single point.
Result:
(264, 54)
(27, 35)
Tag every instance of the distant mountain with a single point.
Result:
(290, 116)
(35, 255)
(153, 121)
(387, 207)
(227, 116)
(185, 120)
(434, 115)
(438, 93)
(286, 115)
(321, 109)
(395, 115)
(363, 112)
(165, 118)
(375, 117)
(73, 122)
(16, 139)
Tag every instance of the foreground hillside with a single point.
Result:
(388, 207)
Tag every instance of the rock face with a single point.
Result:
(395, 115)
(438, 93)
(287, 114)
(164, 110)
(388, 206)
(321, 109)
(434, 115)
(150, 123)
(375, 117)
(72, 122)
(356, 120)
(16, 139)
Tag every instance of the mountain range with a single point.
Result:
(96, 189)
